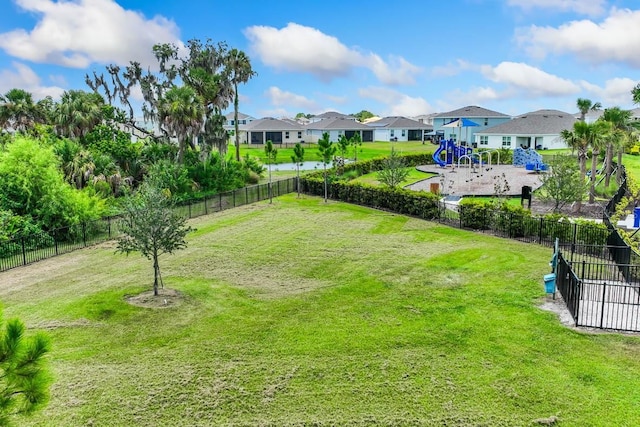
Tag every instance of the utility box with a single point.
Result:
(526, 195)
(550, 283)
(434, 187)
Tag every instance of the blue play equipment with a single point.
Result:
(529, 158)
(453, 152)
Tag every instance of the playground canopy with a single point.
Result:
(461, 123)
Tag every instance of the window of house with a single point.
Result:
(484, 140)
(453, 136)
(486, 122)
(506, 141)
(299, 134)
(404, 132)
(392, 133)
(286, 135)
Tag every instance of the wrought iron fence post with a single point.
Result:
(540, 230)
(108, 226)
(206, 209)
(234, 199)
(84, 234)
(246, 195)
(220, 197)
(189, 206)
(24, 252)
(55, 241)
(604, 292)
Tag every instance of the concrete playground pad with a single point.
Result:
(479, 180)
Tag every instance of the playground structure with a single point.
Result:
(453, 152)
(529, 158)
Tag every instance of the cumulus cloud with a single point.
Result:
(279, 98)
(398, 103)
(78, 33)
(585, 7)
(24, 77)
(452, 68)
(615, 91)
(305, 49)
(614, 39)
(531, 80)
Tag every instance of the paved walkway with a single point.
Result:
(477, 181)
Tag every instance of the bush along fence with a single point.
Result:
(36, 247)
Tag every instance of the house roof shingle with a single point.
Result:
(333, 114)
(337, 123)
(470, 111)
(269, 124)
(241, 116)
(398, 122)
(541, 122)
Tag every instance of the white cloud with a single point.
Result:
(530, 80)
(585, 7)
(398, 104)
(305, 49)
(615, 39)
(23, 77)
(452, 69)
(616, 91)
(337, 99)
(78, 33)
(279, 98)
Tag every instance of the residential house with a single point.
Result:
(336, 127)
(397, 128)
(538, 129)
(243, 121)
(483, 117)
(593, 115)
(427, 119)
(330, 115)
(277, 130)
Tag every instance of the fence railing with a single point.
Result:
(598, 296)
(28, 249)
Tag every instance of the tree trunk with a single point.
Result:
(609, 168)
(235, 121)
(298, 181)
(594, 166)
(156, 274)
(619, 170)
(325, 182)
(270, 187)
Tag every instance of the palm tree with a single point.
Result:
(622, 124)
(241, 72)
(635, 93)
(18, 111)
(298, 158)
(576, 143)
(181, 111)
(584, 105)
(597, 136)
(78, 113)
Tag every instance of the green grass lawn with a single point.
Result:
(368, 150)
(413, 177)
(306, 313)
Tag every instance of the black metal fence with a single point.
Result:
(598, 295)
(29, 249)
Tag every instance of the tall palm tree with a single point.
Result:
(181, 112)
(18, 111)
(584, 105)
(635, 94)
(621, 125)
(597, 136)
(240, 68)
(574, 139)
(78, 113)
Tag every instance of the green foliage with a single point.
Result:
(271, 153)
(327, 150)
(152, 227)
(363, 115)
(215, 175)
(24, 372)
(394, 170)
(343, 146)
(356, 142)
(253, 164)
(562, 184)
(171, 176)
(298, 158)
(32, 186)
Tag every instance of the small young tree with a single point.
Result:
(298, 158)
(152, 227)
(327, 150)
(25, 377)
(356, 141)
(271, 154)
(563, 183)
(394, 171)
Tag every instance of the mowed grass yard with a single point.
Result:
(306, 313)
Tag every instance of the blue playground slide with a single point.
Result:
(436, 155)
(453, 152)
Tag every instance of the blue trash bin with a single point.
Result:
(550, 283)
(636, 217)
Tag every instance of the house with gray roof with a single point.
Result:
(330, 115)
(482, 117)
(538, 129)
(278, 131)
(243, 121)
(397, 128)
(593, 115)
(336, 127)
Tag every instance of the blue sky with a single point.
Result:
(408, 57)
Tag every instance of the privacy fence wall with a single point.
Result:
(32, 248)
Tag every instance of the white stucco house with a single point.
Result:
(330, 115)
(538, 129)
(336, 127)
(398, 128)
(279, 131)
(243, 121)
(483, 117)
